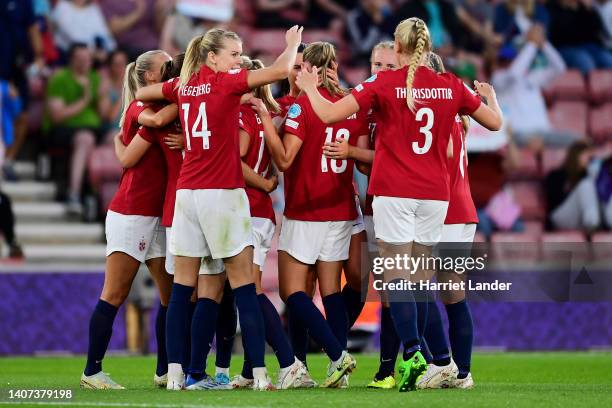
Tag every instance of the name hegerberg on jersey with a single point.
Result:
(425, 93)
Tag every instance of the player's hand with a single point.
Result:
(337, 150)
(258, 105)
(293, 36)
(272, 184)
(307, 80)
(485, 90)
(174, 141)
(118, 137)
(332, 74)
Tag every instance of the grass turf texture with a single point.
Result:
(502, 379)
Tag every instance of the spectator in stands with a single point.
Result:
(329, 13)
(519, 82)
(495, 205)
(111, 88)
(136, 24)
(367, 25)
(477, 17)
(514, 18)
(571, 196)
(72, 120)
(80, 21)
(20, 48)
(281, 13)
(578, 32)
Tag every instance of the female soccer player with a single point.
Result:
(133, 233)
(211, 212)
(415, 110)
(319, 214)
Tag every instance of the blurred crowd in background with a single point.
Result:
(62, 64)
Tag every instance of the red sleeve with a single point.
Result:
(469, 101)
(364, 123)
(170, 90)
(365, 92)
(130, 122)
(246, 122)
(296, 118)
(148, 134)
(236, 81)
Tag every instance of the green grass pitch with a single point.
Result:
(580, 379)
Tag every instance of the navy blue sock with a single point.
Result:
(275, 335)
(425, 351)
(100, 332)
(298, 335)
(226, 328)
(461, 335)
(352, 303)
(404, 313)
(177, 322)
(422, 305)
(203, 327)
(435, 336)
(302, 306)
(389, 344)
(251, 324)
(160, 336)
(247, 370)
(187, 348)
(337, 318)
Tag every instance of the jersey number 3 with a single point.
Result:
(425, 130)
(199, 128)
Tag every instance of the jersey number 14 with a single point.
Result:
(199, 128)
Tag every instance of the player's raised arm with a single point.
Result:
(488, 114)
(158, 119)
(327, 111)
(281, 67)
(150, 93)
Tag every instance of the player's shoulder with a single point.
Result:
(299, 107)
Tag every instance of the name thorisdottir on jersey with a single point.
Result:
(426, 93)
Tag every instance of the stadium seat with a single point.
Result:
(515, 246)
(528, 195)
(602, 237)
(103, 166)
(600, 86)
(269, 41)
(569, 86)
(570, 116)
(552, 158)
(529, 168)
(600, 121)
(354, 76)
(563, 237)
(534, 229)
(245, 11)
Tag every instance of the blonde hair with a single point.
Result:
(321, 55)
(263, 92)
(134, 78)
(413, 39)
(435, 62)
(383, 45)
(198, 49)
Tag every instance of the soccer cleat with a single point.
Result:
(410, 370)
(205, 383)
(294, 376)
(264, 384)
(241, 382)
(466, 383)
(344, 381)
(336, 371)
(438, 376)
(386, 383)
(176, 377)
(99, 381)
(222, 379)
(160, 381)
(305, 380)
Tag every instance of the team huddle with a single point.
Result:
(202, 143)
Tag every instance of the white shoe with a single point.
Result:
(438, 376)
(305, 380)
(294, 376)
(99, 381)
(466, 383)
(263, 384)
(176, 377)
(160, 381)
(240, 382)
(344, 381)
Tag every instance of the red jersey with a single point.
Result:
(285, 103)
(209, 105)
(141, 188)
(318, 188)
(410, 158)
(461, 209)
(257, 158)
(173, 158)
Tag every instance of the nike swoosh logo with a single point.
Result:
(384, 361)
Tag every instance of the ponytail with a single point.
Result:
(192, 61)
(130, 86)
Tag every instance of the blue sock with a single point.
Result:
(226, 328)
(298, 335)
(100, 332)
(335, 312)
(177, 322)
(422, 305)
(187, 348)
(203, 327)
(302, 306)
(247, 370)
(461, 335)
(352, 303)
(435, 336)
(404, 313)
(389, 344)
(275, 335)
(160, 336)
(251, 324)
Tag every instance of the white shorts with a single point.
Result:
(139, 236)
(458, 232)
(402, 220)
(358, 224)
(211, 222)
(208, 266)
(312, 241)
(263, 231)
